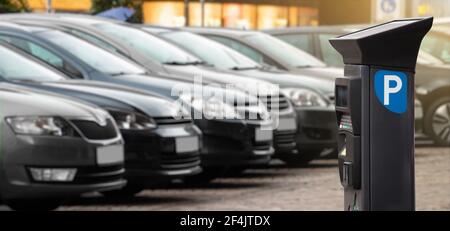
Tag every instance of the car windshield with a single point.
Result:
(11, 68)
(151, 46)
(96, 57)
(282, 51)
(210, 51)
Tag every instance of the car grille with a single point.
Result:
(261, 146)
(171, 120)
(94, 131)
(284, 138)
(97, 175)
(180, 161)
(278, 102)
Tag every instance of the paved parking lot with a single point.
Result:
(316, 187)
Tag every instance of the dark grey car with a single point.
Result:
(158, 147)
(268, 50)
(432, 72)
(55, 148)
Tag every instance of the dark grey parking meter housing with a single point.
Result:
(375, 112)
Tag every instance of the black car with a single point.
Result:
(166, 60)
(242, 143)
(158, 147)
(52, 149)
(432, 77)
(316, 122)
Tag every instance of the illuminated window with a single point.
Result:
(164, 13)
(239, 15)
(272, 16)
(62, 5)
(213, 14)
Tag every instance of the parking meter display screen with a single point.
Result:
(341, 96)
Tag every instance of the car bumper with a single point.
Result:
(317, 128)
(23, 152)
(233, 143)
(159, 154)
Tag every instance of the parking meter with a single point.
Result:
(375, 114)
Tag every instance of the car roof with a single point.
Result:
(317, 29)
(221, 31)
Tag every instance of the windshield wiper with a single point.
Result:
(178, 63)
(124, 73)
(304, 66)
(237, 68)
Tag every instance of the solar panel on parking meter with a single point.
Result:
(375, 111)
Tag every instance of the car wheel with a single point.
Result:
(205, 177)
(33, 205)
(300, 159)
(437, 121)
(129, 191)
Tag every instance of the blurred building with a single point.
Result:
(263, 14)
(61, 5)
(235, 13)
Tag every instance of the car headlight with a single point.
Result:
(132, 120)
(304, 98)
(41, 125)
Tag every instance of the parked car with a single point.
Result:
(163, 58)
(226, 142)
(51, 149)
(158, 148)
(316, 122)
(268, 50)
(432, 72)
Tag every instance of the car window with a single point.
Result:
(244, 49)
(96, 57)
(329, 55)
(43, 54)
(151, 46)
(282, 51)
(301, 41)
(12, 68)
(210, 51)
(438, 46)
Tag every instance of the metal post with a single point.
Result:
(202, 2)
(49, 6)
(186, 12)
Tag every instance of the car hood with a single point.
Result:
(326, 73)
(170, 88)
(23, 101)
(112, 96)
(287, 80)
(215, 76)
(432, 75)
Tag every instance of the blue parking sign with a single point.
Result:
(391, 89)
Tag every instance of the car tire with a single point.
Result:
(129, 191)
(205, 177)
(33, 205)
(301, 159)
(437, 121)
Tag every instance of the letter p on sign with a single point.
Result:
(391, 90)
